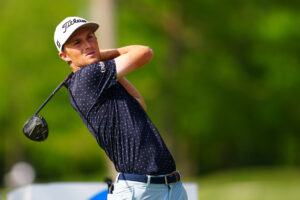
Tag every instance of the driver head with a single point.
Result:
(36, 128)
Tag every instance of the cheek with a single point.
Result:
(96, 47)
(75, 54)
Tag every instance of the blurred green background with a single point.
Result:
(222, 88)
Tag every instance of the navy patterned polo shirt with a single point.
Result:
(117, 121)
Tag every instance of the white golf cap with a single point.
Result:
(68, 26)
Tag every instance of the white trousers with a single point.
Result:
(132, 190)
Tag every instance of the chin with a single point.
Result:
(92, 60)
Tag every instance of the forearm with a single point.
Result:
(132, 91)
(108, 54)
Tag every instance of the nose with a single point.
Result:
(87, 44)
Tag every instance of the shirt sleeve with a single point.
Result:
(100, 74)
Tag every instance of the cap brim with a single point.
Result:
(91, 25)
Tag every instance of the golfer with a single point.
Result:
(114, 112)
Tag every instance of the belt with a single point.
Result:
(166, 179)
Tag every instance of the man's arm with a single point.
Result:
(108, 54)
(127, 58)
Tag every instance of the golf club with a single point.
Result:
(36, 127)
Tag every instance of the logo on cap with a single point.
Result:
(71, 22)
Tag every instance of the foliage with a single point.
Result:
(226, 79)
(251, 184)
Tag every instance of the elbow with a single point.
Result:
(148, 54)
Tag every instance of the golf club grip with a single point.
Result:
(53, 93)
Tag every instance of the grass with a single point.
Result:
(247, 184)
(2, 193)
(251, 184)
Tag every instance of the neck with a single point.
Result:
(74, 68)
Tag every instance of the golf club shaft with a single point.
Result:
(53, 93)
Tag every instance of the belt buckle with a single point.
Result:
(166, 180)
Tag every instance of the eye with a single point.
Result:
(91, 36)
(76, 42)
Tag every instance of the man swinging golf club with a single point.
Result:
(114, 112)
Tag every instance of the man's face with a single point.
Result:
(81, 49)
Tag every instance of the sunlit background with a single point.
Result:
(222, 88)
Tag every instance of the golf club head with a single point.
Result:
(36, 128)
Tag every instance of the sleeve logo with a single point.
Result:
(102, 67)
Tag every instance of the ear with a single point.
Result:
(65, 57)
